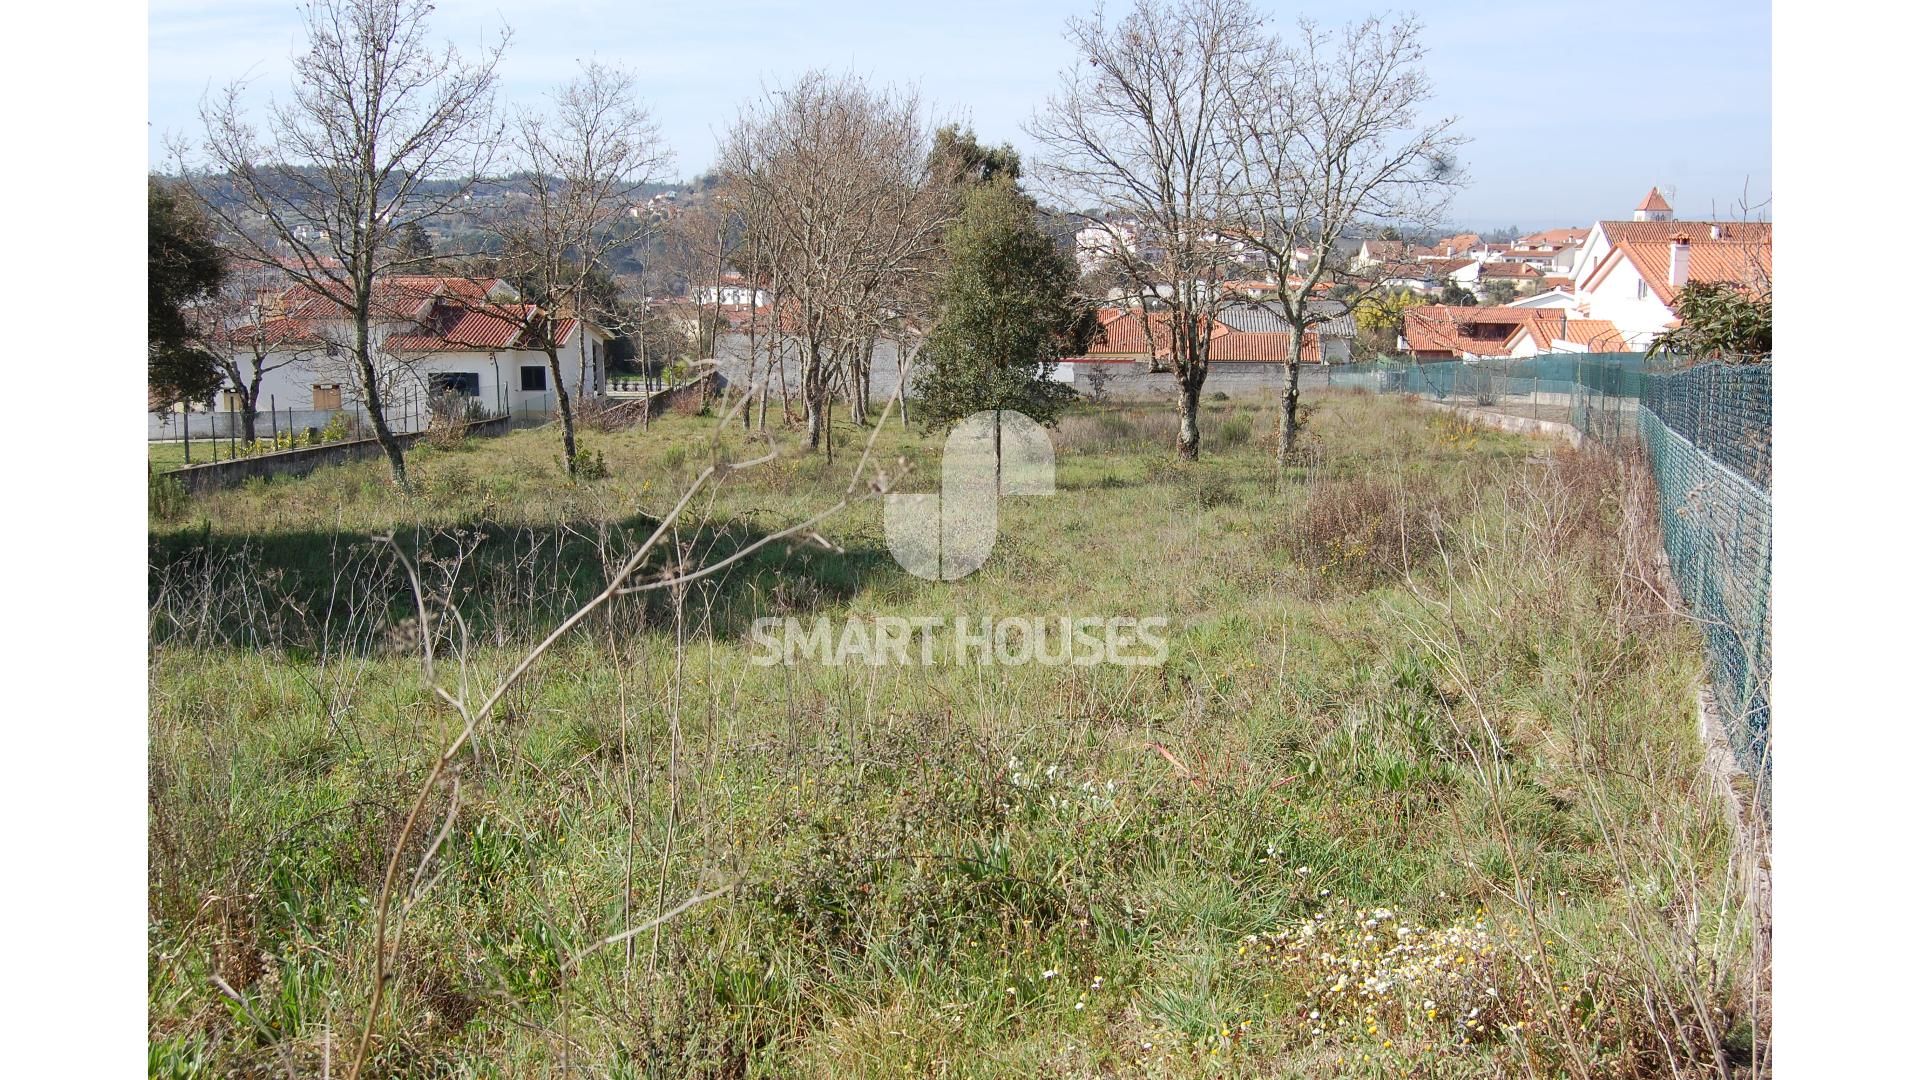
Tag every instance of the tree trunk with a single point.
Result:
(370, 393)
(566, 407)
(861, 384)
(1290, 399)
(900, 364)
(1189, 444)
(815, 393)
(250, 411)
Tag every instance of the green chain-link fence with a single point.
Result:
(1708, 434)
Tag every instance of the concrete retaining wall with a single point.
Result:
(1519, 425)
(1118, 381)
(222, 474)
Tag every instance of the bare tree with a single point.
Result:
(1328, 143)
(383, 130)
(583, 159)
(252, 338)
(1139, 130)
(834, 174)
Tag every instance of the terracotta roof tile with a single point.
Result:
(1745, 263)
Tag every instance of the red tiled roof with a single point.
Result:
(1653, 201)
(1551, 239)
(1483, 331)
(1598, 335)
(1439, 330)
(457, 327)
(1508, 270)
(1757, 231)
(1249, 346)
(1123, 334)
(1745, 263)
(1457, 245)
(440, 314)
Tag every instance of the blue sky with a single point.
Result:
(1574, 111)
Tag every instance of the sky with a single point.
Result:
(1573, 111)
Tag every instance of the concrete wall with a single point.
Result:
(222, 474)
(1129, 381)
(1109, 380)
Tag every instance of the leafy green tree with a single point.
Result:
(1720, 320)
(414, 245)
(1380, 318)
(959, 157)
(184, 268)
(1457, 295)
(1003, 315)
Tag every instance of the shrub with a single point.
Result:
(1367, 530)
(166, 497)
(342, 427)
(589, 465)
(1234, 431)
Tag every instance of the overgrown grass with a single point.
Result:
(1438, 811)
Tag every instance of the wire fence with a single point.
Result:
(1707, 430)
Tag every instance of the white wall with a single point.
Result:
(292, 385)
(1617, 299)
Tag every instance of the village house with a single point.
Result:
(731, 289)
(1371, 252)
(432, 336)
(1443, 332)
(1098, 241)
(1628, 272)
(1131, 353)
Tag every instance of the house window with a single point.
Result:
(230, 401)
(326, 396)
(533, 377)
(454, 382)
(1640, 289)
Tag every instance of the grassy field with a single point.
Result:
(1416, 791)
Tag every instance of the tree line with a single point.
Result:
(1222, 144)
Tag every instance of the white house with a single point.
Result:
(1635, 284)
(432, 335)
(1097, 241)
(1545, 298)
(732, 290)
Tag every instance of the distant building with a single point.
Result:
(1653, 208)
(731, 289)
(1442, 332)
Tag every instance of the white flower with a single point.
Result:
(1048, 974)
(1303, 871)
